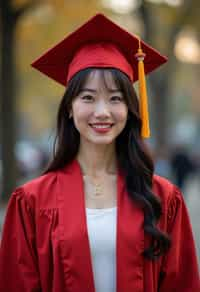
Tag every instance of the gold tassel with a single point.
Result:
(144, 113)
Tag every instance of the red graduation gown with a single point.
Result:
(45, 244)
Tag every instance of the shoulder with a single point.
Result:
(40, 191)
(170, 196)
(164, 188)
(41, 183)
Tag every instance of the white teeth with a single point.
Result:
(101, 126)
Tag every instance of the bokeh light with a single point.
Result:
(121, 6)
(187, 48)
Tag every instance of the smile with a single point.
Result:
(101, 126)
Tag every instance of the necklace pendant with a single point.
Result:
(98, 189)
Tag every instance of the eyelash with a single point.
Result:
(85, 97)
(119, 98)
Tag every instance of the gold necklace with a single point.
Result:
(97, 187)
(98, 190)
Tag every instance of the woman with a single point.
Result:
(98, 219)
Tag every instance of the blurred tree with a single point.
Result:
(162, 24)
(9, 17)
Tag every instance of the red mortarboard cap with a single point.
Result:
(101, 43)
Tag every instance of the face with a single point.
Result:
(99, 111)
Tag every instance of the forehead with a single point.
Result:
(100, 78)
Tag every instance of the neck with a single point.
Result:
(97, 160)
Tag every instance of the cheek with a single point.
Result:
(121, 114)
(80, 113)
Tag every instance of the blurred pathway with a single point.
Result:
(192, 198)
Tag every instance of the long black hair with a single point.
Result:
(133, 156)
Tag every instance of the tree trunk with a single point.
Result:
(8, 103)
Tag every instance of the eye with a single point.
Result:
(87, 98)
(116, 98)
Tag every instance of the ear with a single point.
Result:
(70, 114)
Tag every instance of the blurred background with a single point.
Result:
(29, 100)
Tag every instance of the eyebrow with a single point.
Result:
(95, 91)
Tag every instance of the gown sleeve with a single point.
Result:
(18, 260)
(180, 267)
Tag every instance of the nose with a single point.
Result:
(101, 109)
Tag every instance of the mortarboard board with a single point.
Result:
(101, 43)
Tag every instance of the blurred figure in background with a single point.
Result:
(182, 165)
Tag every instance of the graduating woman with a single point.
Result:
(99, 219)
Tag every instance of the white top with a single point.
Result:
(101, 224)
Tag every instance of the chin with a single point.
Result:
(102, 140)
